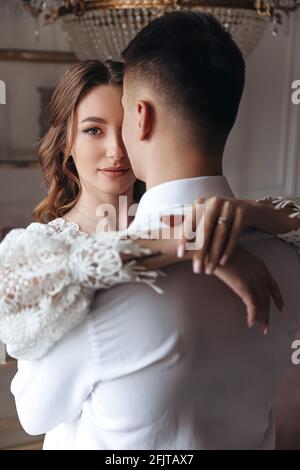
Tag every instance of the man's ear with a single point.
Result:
(145, 119)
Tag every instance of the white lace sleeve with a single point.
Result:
(47, 280)
(283, 203)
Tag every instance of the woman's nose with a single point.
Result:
(116, 156)
(116, 150)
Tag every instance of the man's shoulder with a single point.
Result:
(277, 253)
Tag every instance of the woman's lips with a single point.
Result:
(114, 172)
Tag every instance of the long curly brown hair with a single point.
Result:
(59, 171)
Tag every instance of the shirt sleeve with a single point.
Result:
(48, 281)
(52, 390)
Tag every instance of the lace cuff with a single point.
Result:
(47, 282)
(282, 203)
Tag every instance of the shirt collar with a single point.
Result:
(174, 193)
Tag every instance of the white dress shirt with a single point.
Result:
(180, 192)
(179, 370)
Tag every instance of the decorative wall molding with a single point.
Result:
(58, 57)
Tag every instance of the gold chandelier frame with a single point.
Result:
(266, 8)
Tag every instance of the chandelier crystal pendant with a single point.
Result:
(101, 29)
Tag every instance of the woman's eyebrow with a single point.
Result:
(94, 119)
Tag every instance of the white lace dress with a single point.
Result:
(48, 276)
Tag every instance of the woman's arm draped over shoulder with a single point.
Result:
(48, 277)
(226, 219)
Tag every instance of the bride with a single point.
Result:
(50, 271)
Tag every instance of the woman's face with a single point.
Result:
(98, 149)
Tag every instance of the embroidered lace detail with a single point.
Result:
(281, 203)
(48, 277)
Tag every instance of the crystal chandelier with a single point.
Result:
(101, 29)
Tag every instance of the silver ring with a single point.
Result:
(222, 220)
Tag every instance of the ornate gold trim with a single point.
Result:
(263, 8)
(125, 4)
(37, 56)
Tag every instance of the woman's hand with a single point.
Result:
(222, 222)
(249, 278)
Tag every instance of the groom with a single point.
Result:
(180, 370)
(213, 381)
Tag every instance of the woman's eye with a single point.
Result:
(94, 131)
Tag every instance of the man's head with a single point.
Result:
(184, 78)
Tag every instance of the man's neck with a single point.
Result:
(159, 174)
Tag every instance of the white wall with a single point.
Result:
(21, 189)
(263, 151)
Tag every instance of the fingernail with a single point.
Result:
(266, 331)
(223, 260)
(197, 266)
(251, 323)
(209, 269)
(180, 251)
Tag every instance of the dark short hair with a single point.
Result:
(195, 66)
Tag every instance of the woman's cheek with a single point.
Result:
(85, 150)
